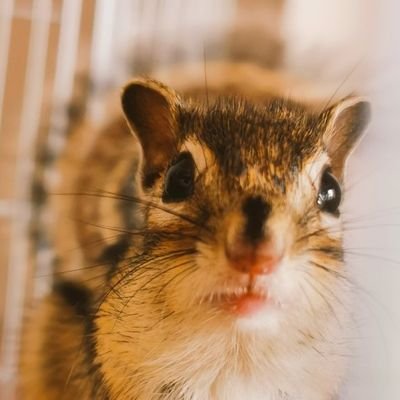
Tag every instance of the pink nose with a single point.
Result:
(262, 259)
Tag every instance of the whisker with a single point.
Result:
(154, 277)
(328, 270)
(190, 266)
(373, 256)
(137, 200)
(341, 84)
(323, 297)
(141, 267)
(145, 231)
(88, 244)
(58, 273)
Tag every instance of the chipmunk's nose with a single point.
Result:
(256, 211)
(260, 259)
(254, 251)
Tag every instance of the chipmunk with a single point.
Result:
(225, 275)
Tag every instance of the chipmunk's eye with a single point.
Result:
(329, 195)
(179, 180)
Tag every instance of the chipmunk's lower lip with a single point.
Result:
(243, 302)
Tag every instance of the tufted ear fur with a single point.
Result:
(150, 109)
(346, 122)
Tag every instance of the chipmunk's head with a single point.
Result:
(243, 207)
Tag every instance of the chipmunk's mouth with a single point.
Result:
(244, 304)
(244, 301)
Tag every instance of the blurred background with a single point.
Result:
(53, 52)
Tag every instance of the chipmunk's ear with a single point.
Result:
(345, 123)
(150, 109)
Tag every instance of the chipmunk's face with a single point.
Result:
(244, 221)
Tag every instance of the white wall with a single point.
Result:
(328, 40)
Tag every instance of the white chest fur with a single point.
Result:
(218, 369)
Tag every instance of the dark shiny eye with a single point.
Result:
(179, 180)
(329, 195)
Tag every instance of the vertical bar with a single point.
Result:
(102, 48)
(6, 14)
(62, 90)
(67, 52)
(18, 264)
(124, 38)
(102, 39)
